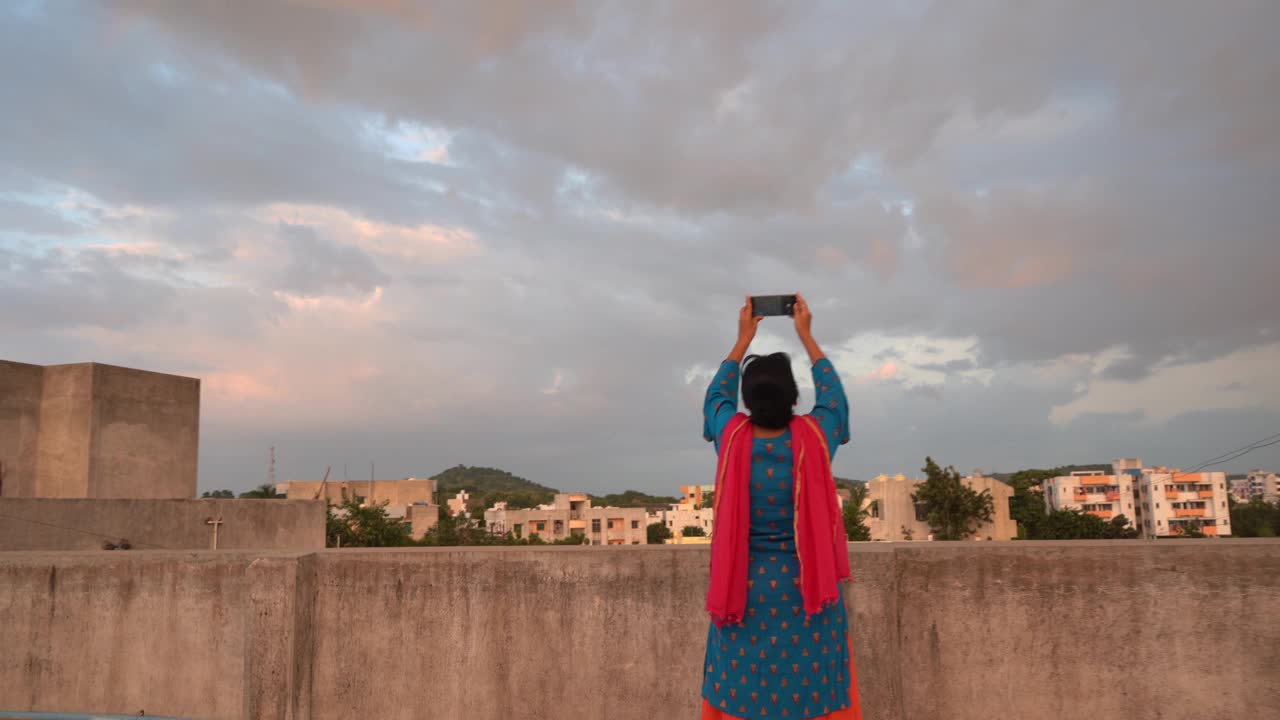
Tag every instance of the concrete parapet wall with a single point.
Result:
(84, 524)
(1103, 630)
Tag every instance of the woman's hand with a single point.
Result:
(747, 324)
(803, 318)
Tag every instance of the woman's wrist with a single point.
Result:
(811, 347)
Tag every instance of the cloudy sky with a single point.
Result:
(517, 234)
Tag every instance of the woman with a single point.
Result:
(778, 646)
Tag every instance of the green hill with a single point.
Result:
(485, 479)
(490, 485)
(1036, 475)
(632, 499)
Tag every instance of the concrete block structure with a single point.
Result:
(149, 524)
(892, 514)
(89, 430)
(568, 514)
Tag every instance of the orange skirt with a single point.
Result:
(853, 712)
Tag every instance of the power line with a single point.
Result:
(1252, 446)
(1241, 453)
(1267, 441)
(83, 532)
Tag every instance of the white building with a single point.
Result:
(1168, 502)
(695, 509)
(458, 503)
(1093, 491)
(1257, 485)
(570, 513)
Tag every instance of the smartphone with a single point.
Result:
(765, 305)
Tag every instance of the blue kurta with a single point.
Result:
(777, 663)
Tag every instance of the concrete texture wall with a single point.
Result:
(1104, 630)
(20, 390)
(89, 430)
(146, 430)
(66, 432)
(83, 524)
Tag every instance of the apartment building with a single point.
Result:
(1169, 502)
(892, 514)
(695, 509)
(1097, 492)
(570, 513)
(1257, 485)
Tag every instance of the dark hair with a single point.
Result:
(769, 389)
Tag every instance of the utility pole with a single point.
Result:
(271, 468)
(215, 522)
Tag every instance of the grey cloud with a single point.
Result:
(207, 138)
(58, 291)
(316, 266)
(713, 144)
(20, 217)
(950, 366)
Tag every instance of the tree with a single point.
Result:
(452, 530)
(693, 531)
(854, 514)
(1119, 529)
(1026, 507)
(265, 491)
(1076, 524)
(353, 525)
(1255, 518)
(1191, 531)
(657, 532)
(632, 499)
(952, 509)
(708, 501)
(217, 494)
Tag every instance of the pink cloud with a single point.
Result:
(831, 255)
(887, 371)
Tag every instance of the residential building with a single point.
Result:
(1257, 485)
(695, 509)
(409, 491)
(1167, 501)
(679, 516)
(458, 503)
(409, 499)
(1105, 495)
(695, 496)
(568, 514)
(892, 514)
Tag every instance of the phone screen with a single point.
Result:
(766, 305)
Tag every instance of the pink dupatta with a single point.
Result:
(819, 529)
